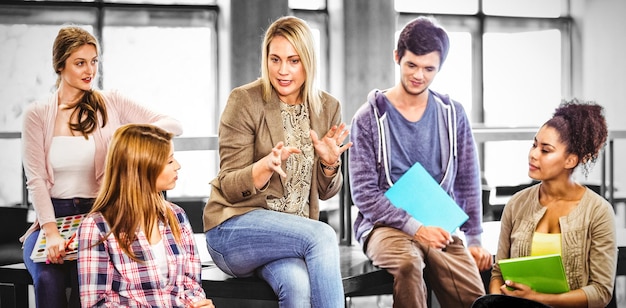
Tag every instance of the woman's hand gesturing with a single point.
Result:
(280, 153)
(330, 147)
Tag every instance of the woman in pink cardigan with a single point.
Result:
(64, 144)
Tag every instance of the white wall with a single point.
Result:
(603, 36)
(604, 57)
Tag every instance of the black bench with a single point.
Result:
(13, 220)
(17, 276)
(360, 278)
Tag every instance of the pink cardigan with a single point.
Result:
(37, 133)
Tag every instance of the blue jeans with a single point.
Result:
(51, 280)
(298, 257)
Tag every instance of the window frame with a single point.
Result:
(93, 14)
(479, 24)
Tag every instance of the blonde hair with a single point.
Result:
(129, 199)
(68, 40)
(298, 33)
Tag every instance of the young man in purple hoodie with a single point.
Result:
(396, 128)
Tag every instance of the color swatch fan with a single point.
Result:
(68, 226)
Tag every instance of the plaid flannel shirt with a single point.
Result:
(110, 278)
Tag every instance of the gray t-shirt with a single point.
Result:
(414, 141)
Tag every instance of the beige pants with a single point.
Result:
(451, 273)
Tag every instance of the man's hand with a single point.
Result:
(434, 237)
(482, 257)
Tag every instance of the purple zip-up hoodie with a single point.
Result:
(370, 165)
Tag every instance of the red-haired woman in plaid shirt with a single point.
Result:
(135, 248)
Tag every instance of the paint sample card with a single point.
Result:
(68, 226)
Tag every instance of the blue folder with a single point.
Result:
(421, 196)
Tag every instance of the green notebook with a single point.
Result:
(544, 274)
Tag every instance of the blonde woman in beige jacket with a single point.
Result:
(279, 142)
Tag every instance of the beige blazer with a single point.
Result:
(249, 128)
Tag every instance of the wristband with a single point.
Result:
(334, 167)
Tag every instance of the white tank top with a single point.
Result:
(160, 257)
(72, 160)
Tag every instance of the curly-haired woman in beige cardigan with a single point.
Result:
(559, 215)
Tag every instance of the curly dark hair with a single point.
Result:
(582, 127)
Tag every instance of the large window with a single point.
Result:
(178, 47)
(160, 55)
(521, 89)
(509, 65)
(455, 75)
(26, 75)
(317, 21)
